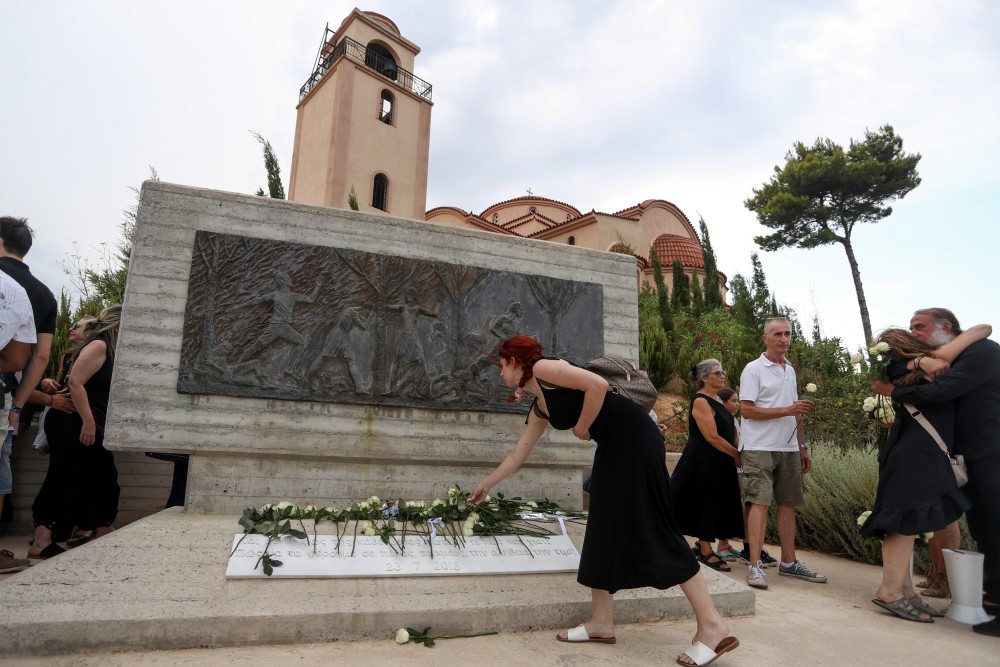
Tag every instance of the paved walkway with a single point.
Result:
(797, 624)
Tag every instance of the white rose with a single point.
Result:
(368, 528)
(467, 529)
(882, 347)
(329, 510)
(856, 358)
(927, 536)
(864, 517)
(402, 636)
(310, 509)
(284, 504)
(811, 388)
(374, 501)
(872, 351)
(437, 501)
(486, 499)
(265, 508)
(453, 492)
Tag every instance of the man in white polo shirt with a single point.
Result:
(773, 451)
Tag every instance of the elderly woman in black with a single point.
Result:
(704, 487)
(81, 485)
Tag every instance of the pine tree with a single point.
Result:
(713, 287)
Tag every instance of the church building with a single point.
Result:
(363, 125)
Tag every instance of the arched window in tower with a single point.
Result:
(385, 109)
(496, 218)
(571, 240)
(380, 192)
(531, 210)
(378, 58)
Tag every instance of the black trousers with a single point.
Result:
(984, 518)
(81, 486)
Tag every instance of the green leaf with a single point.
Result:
(428, 642)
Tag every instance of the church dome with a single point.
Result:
(669, 247)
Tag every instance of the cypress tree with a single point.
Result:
(712, 289)
(697, 299)
(680, 297)
(662, 298)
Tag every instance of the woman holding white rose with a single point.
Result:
(917, 492)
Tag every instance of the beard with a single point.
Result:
(939, 336)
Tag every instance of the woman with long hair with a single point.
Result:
(704, 487)
(81, 485)
(917, 492)
(631, 539)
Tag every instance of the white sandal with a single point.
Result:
(702, 655)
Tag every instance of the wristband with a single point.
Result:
(16, 410)
(916, 361)
(804, 445)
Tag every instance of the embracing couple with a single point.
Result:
(948, 380)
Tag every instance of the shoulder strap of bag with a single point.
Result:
(916, 414)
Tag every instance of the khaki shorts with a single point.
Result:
(768, 475)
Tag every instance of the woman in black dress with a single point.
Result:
(81, 485)
(704, 488)
(631, 538)
(917, 492)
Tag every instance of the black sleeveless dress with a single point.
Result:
(705, 488)
(917, 492)
(631, 539)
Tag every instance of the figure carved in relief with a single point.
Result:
(336, 345)
(409, 367)
(280, 326)
(508, 323)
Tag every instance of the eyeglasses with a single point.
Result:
(718, 374)
(75, 327)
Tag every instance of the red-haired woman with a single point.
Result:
(631, 539)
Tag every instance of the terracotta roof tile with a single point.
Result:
(669, 247)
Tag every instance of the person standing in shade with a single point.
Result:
(775, 453)
(15, 242)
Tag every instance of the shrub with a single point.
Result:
(840, 486)
(654, 352)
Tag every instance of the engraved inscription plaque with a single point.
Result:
(272, 319)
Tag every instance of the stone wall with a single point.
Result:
(251, 450)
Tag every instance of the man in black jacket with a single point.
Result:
(973, 381)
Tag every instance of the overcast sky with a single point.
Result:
(595, 103)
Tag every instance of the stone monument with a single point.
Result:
(320, 355)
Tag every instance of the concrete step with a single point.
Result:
(159, 584)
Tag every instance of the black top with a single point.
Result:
(43, 304)
(973, 381)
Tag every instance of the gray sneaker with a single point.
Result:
(755, 576)
(799, 570)
(10, 564)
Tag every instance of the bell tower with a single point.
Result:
(364, 120)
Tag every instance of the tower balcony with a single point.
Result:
(370, 58)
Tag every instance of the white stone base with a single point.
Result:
(160, 583)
